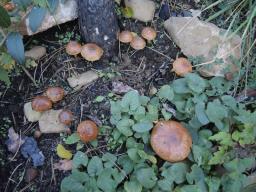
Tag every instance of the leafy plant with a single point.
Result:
(212, 116)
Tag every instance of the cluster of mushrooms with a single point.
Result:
(89, 51)
(137, 42)
(87, 130)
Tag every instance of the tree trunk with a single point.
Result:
(98, 24)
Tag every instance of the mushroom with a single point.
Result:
(138, 43)
(66, 117)
(148, 33)
(125, 37)
(181, 66)
(87, 131)
(41, 103)
(171, 141)
(55, 94)
(91, 52)
(37, 134)
(9, 6)
(73, 48)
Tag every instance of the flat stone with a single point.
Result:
(143, 10)
(30, 114)
(206, 41)
(35, 52)
(65, 12)
(49, 122)
(82, 79)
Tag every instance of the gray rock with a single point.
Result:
(49, 122)
(143, 10)
(30, 114)
(36, 52)
(82, 79)
(205, 40)
(65, 12)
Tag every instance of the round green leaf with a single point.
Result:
(5, 20)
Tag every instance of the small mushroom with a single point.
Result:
(73, 48)
(181, 66)
(171, 141)
(87, 131)
(37, 134)
(55, 94)
(148, 33)
(125, 37)
(41, 103)
(138, 43)
(9, 6)
(91, 52)
(66, 117)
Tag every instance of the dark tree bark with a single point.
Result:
(98, 24)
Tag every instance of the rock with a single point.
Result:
(30, 174)
(49, 122)
(205, 40)
(30, 114)
(82, 79)
(143, 10)
(120, 87)
(65, 12)
(36, 52)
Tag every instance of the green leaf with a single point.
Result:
(4, 76)
(52, 5)
(130, 101)
(126, 163)
(213, 184)
(201, 155)
(180, 86)
(127, 12)
(201, 114)
(15, 47)
(69, 184)
(36, 17)
(246, 136)
(132, 186)
(133, 154)
(240, 165)
(165, 184)
(109, 160)
(79, 159)
(190, 188)
(124, 126)
(223, 138)
(177, 172)
(139, 113)
(146, 156)
(40, 3)
(166, 114)
(196, 174)
(99, 99)
(220, 156)
(152, 114)
(195, 82)
(80, 177)
(5, 20)
(73, 138)
(142, 127)
(105, 180)
(146, 177)
(95, 166)
(166, 92)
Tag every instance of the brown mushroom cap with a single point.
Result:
(171, 141)
(87, 130)
(73, 48)
(181, 66)
(91, 52)
(125, 37)
(148, 33)
(41, 103)
(138, 43)
(66, 117)
(37, 134)
(55, 94)
(9, 6)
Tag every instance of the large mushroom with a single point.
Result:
(55, 94)
(91, 52)
(181, 66)
(87, 131)
(41, 103)
(171, 141)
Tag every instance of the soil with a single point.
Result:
(138, 69)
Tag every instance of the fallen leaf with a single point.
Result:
(14, 141)
(31, 174)
(63, 153)
(63, 165)
(120, 87)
